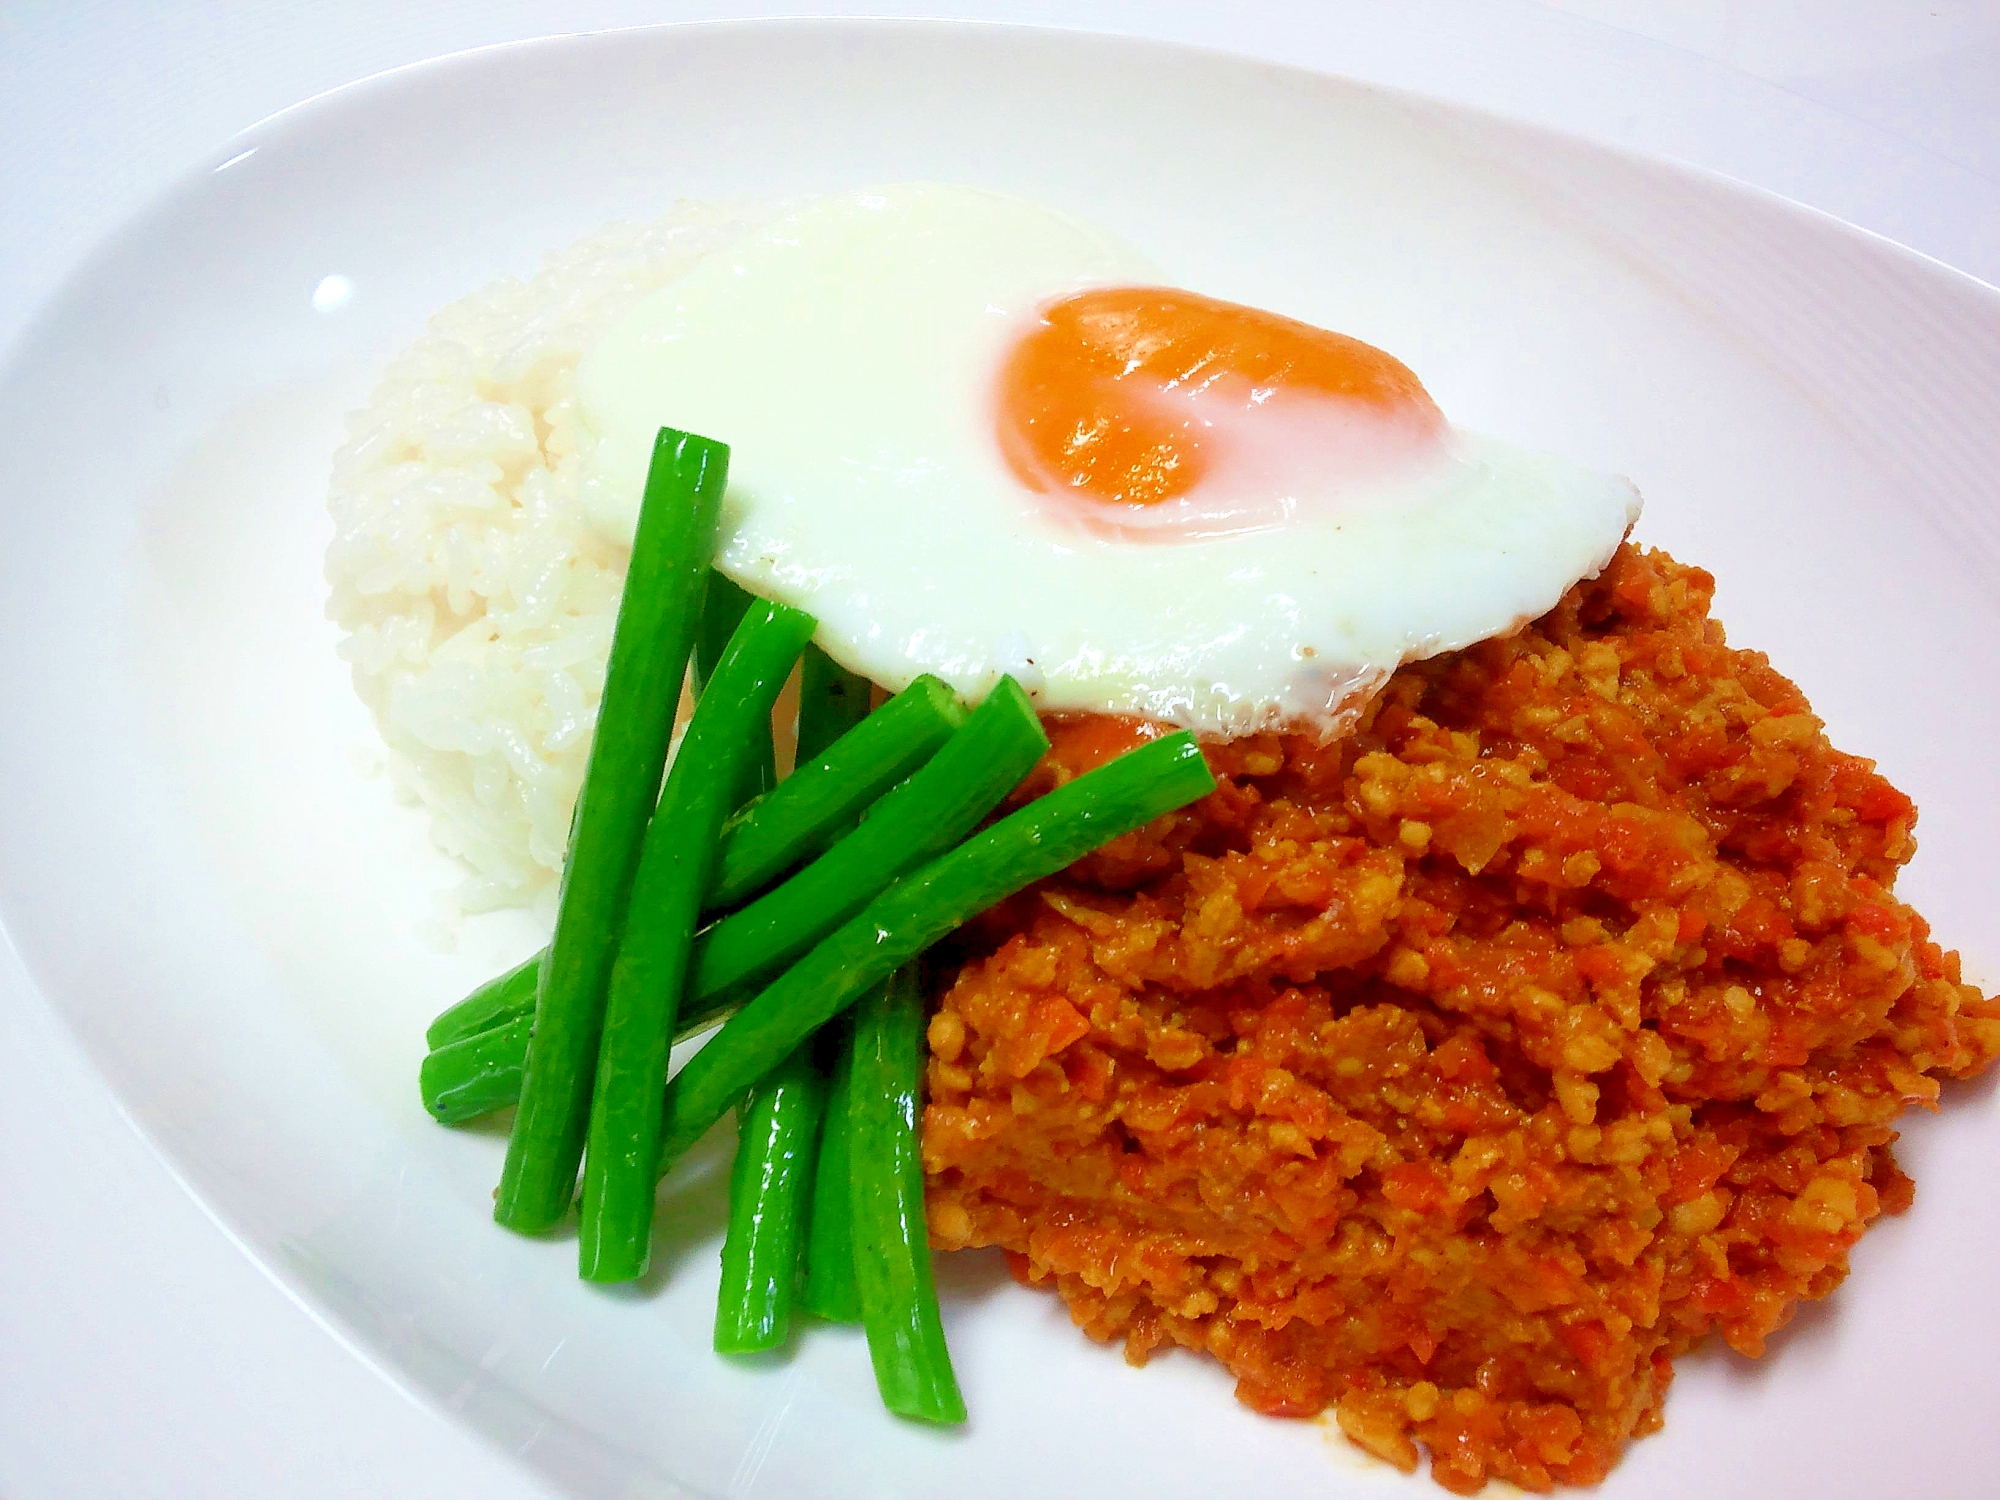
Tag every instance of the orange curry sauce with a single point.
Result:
(1457, 1075)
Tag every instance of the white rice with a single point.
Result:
(476, 598)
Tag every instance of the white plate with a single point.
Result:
(228, 916)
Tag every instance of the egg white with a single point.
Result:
(846, 352)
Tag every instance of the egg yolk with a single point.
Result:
(1131, 396)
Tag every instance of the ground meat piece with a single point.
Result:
(1459, 1074)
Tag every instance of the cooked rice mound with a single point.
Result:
(1458, 1075)
(476, 597)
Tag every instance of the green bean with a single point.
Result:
(778, 1124)
(494, 1004)
(892, 1253)
(820, 800)
(723, 612)
(476, 1074)
(832, 700)
(830, 1291)
(481, 1073)
(500, 1000)
(982, 762)
(777, 1130)
(723, 609)
(657, 615)
(1036, 841)
(620, 1166)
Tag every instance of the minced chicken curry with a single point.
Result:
(1458, 1074)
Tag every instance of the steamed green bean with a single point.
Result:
(619, 1168)
(830, 1291)
(778, 1125)
(776, 1136)
(658, 613)
(892, 1253)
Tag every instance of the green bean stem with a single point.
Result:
(476, 1074)
(654, 633)
(503, 999)
(820, 800)
(892, 1253)
(830, 1291)
(1027, 845)
(620, 1166)
(982, 762)
(776, 1135)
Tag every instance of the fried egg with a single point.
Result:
(975, 436)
